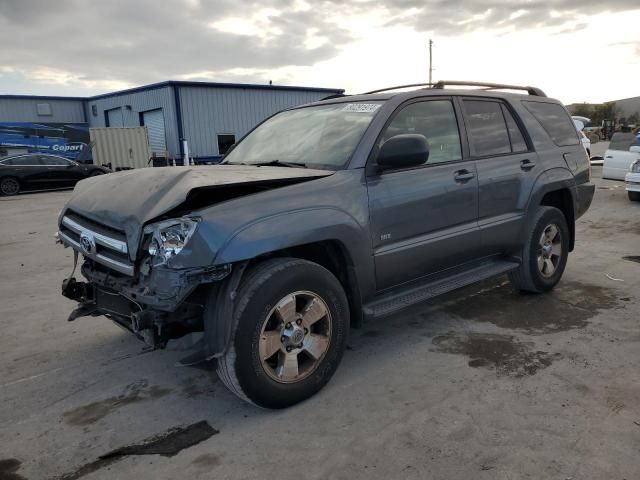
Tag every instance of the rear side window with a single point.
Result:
(555, 121)
(517, 140)
(488, 133)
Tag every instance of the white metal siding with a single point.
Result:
(121, 147)
(207, 112)
(141, 101)
(154, 121)
(26, 110)
(115, 117)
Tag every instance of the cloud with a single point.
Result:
(98, 44)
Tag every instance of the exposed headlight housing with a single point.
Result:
(169, 237)
(635, 167)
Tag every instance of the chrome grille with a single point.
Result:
(96, 241)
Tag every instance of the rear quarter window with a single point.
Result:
(556, 122)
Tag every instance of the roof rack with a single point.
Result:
(337, 95)
(490, 86)
(399, 87)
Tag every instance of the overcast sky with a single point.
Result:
(576, 50)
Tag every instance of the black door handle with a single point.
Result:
(527, 164)
(462, 176)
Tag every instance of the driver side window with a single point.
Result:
(436, 120)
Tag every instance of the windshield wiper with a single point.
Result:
(279, 163)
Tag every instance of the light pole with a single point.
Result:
(430, 61)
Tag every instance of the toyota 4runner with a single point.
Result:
(325, 215)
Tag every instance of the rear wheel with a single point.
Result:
(291, 318)
(9, 186)
(634, 196)
(545, 253)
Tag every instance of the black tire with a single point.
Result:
(634, 196)
(529, 277)
(241, 368)
(9, 186)
(95, 173)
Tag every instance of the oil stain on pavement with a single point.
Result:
(167, 444)
(502, 353)
(134, 393)
(569, 306)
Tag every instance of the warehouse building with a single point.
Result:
(210, 116)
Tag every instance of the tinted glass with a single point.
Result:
(225, 142)
(436, 120)
(53, 161)
(555, 121)
(26, 160)
(517, 140)
(487, 128)
(321, 136)
(622, 141)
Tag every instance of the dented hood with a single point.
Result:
(127, 200)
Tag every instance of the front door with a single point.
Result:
(424, 219)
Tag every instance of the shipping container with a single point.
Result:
(121, 148)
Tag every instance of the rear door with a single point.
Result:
(61, 171)
(618, 158)
(507, 168)
(424, 219)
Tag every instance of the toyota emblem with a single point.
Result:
(87, 243)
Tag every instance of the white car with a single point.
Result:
(620, 155)
(579, 122)
(632, 180)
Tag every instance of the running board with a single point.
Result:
(394, 302)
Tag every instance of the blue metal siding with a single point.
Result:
(207, 112)
(21, 109)
(140, 101)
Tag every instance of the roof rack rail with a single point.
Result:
(337, 95)
(399, 87)
(490, 86)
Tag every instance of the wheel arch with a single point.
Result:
(557, 188)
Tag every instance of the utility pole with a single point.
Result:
(430, 61)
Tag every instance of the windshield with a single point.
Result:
(323, 136)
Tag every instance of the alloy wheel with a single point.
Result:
(295, 337)
(549, 250)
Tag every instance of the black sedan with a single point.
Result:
(36, 171)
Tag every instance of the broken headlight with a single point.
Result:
(169, 237)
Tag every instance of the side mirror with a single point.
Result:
(635, 149)
(402, 151)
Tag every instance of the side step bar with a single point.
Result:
(394, 302)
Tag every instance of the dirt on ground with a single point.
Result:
(483, 383)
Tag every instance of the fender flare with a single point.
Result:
(270, 234)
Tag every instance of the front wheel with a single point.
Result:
(634, 196)
(545, 252)
(292, 319)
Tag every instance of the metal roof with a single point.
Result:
(153, 86)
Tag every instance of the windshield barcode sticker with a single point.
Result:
(361, 107)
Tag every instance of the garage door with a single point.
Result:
(114, 118)
(154, 121)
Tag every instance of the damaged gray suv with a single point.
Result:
(325, 215)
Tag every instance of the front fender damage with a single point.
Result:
(159, 307)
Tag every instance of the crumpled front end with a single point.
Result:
(148, 296)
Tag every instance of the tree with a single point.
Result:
(583, 110)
